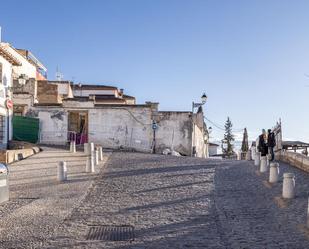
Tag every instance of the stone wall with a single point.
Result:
(48, 93)
(295, 159)
(174, 132)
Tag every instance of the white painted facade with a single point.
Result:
(26, 68)
(127, 127)
(6, 119)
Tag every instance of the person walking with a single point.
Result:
(262, 146)
(271, 143)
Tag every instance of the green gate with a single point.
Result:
(26, 129)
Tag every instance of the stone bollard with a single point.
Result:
(274, 173)
(257, 158)
(86, 148)
(97, 156)
(91, 147)
(74, 147)
(62, 171)
(90, 164)
(100, 153)
(263, 164)
(253, 152)
(288, 189)
(71, 146)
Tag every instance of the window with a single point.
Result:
(2, 128)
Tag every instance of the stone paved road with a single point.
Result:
(38, 202)
(173, 202)
(187, 203)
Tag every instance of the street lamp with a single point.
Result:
(22, 79)
(196, 105)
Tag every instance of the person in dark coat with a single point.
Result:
(262, 147)
(271, 143)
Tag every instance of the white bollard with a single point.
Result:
(90, 165)
(91, 148)
(100, 153)
(253, 151)
(71, 146)
(257, 158)
(288, 189)
(74, 147)
(86, 148)
(97, 156)
(263, 164)
(274, 173)
(62, 171)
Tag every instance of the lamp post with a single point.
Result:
(196, 105)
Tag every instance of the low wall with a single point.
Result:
(10, 156)
(295, 159)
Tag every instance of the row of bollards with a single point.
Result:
(94, 155)
(288, 186)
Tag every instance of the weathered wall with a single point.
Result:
(127, 127)
(48, 93)
(199, 143)
(112, 127)
(53, 125)
(174, 132)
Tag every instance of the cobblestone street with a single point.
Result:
(172, 202)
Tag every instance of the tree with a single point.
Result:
(228, 139)
(245, 143)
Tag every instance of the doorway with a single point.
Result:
(78, 126)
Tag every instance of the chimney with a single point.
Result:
(121, 90)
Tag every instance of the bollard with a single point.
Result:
(257, 158)
(100, 153)
(263, 164)
(288, 189)
(90, 165)
(274, 173)
(62, 171)
(86, 148)
(97, 156)
(71, 146)
(74, 147)
(91, 147)
(253, 152)
(4, 183)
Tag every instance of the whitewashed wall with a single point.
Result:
(174, 132)
(6, 82)
(128, 127)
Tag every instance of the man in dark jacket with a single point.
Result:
(271, 143)
(262, 146)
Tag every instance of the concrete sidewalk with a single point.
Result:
(38, 202)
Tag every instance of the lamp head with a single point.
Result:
(204, 98)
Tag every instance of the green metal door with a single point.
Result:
(25, 129)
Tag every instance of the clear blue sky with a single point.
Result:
(249, 57)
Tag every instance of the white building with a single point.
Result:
(7, 62)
